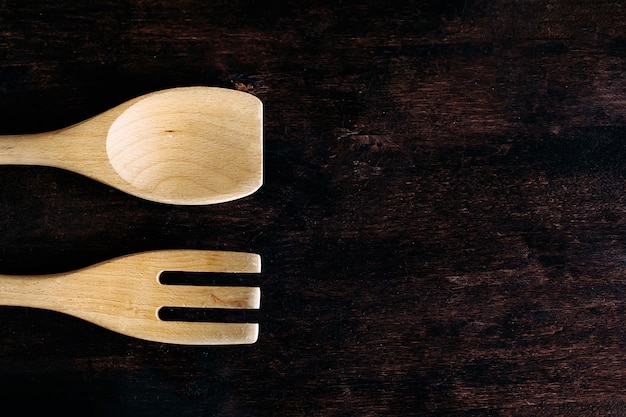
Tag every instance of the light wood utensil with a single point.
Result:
(190, 145)
(124, 295)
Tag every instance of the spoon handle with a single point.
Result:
(31, 149)
(63, 148)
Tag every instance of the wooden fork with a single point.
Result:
(125, 294)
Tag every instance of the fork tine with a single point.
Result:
(189, 260)
(209, 297)
(201, 333)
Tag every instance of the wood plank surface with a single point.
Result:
(441, 225)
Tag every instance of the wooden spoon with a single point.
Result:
(190, 145)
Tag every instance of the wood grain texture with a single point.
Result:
(441, 222)
(126, 295)
(188, 146)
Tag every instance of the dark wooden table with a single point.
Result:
(442, 223)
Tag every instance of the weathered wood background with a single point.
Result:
(442, 224)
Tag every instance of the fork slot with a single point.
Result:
(209, 278)
(221, 315)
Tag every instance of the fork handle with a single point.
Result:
(43, 291)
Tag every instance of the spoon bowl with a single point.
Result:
(188, 146)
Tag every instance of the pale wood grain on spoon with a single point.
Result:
(189, 145)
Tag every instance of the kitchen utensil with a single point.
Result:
(188, 145)
(124, 295)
